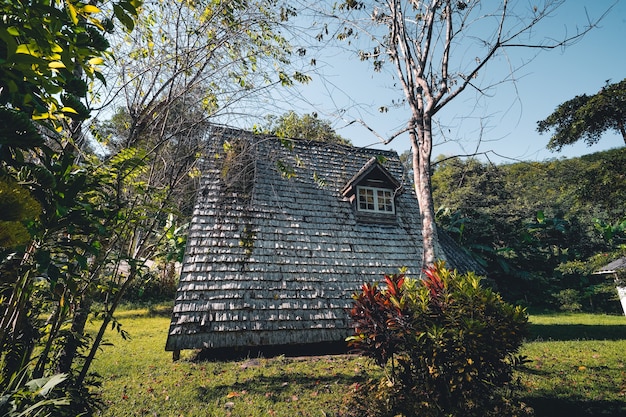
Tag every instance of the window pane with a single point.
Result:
(366, 199)
(385, 201)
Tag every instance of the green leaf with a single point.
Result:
(130, 7)
(13, 31)
(540, 216)
(125, 19)
(43, 386)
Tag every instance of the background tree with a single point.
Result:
(114, 196)
(307, 126)
(186, 67)
(218, 59)
(438, 50)
(587, 117)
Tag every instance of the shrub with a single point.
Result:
(20, 395)
(153, 286)
(447, 346)
(569, 300)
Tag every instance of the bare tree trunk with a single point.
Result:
(54, 323)
(421, 145)
(106, 320)
(439, 49)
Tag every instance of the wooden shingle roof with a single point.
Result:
(275, 251)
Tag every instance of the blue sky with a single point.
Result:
(508, 117)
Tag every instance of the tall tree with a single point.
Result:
(439, 49)
(185, 67)
(100, 216)
(217, 57)
(587, 117)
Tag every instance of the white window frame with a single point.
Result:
(386, 193)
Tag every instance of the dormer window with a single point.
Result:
(372, 192)
(375, 200)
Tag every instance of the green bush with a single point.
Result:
(569, 300)
(446, 343)
(152, 287)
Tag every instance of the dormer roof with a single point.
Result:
(372, 174)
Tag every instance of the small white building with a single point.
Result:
(617, 268)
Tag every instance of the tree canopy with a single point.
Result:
(48, 46)
(81, 226)
(307, 126)
(587, 117)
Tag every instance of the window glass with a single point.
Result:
(379, 200)
(366, 199)
(385, 198)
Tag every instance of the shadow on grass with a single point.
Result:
(275, 388)
(576, 332)
(293, 350)
(546, 406)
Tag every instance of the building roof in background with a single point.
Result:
(613, 267)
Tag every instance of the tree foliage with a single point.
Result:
(215, 59)
(50, 53)
(89, 222)
(587, 117)
(308, 126)
(525, 222)
(47, 47)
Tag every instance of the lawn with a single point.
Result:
(577, 366)
(576, 369)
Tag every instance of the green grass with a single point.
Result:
(577, 369)
(577, 366)
(140, 379)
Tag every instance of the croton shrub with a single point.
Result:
(446, 343)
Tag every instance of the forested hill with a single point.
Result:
(540, 228)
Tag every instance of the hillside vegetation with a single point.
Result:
(539, 228)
